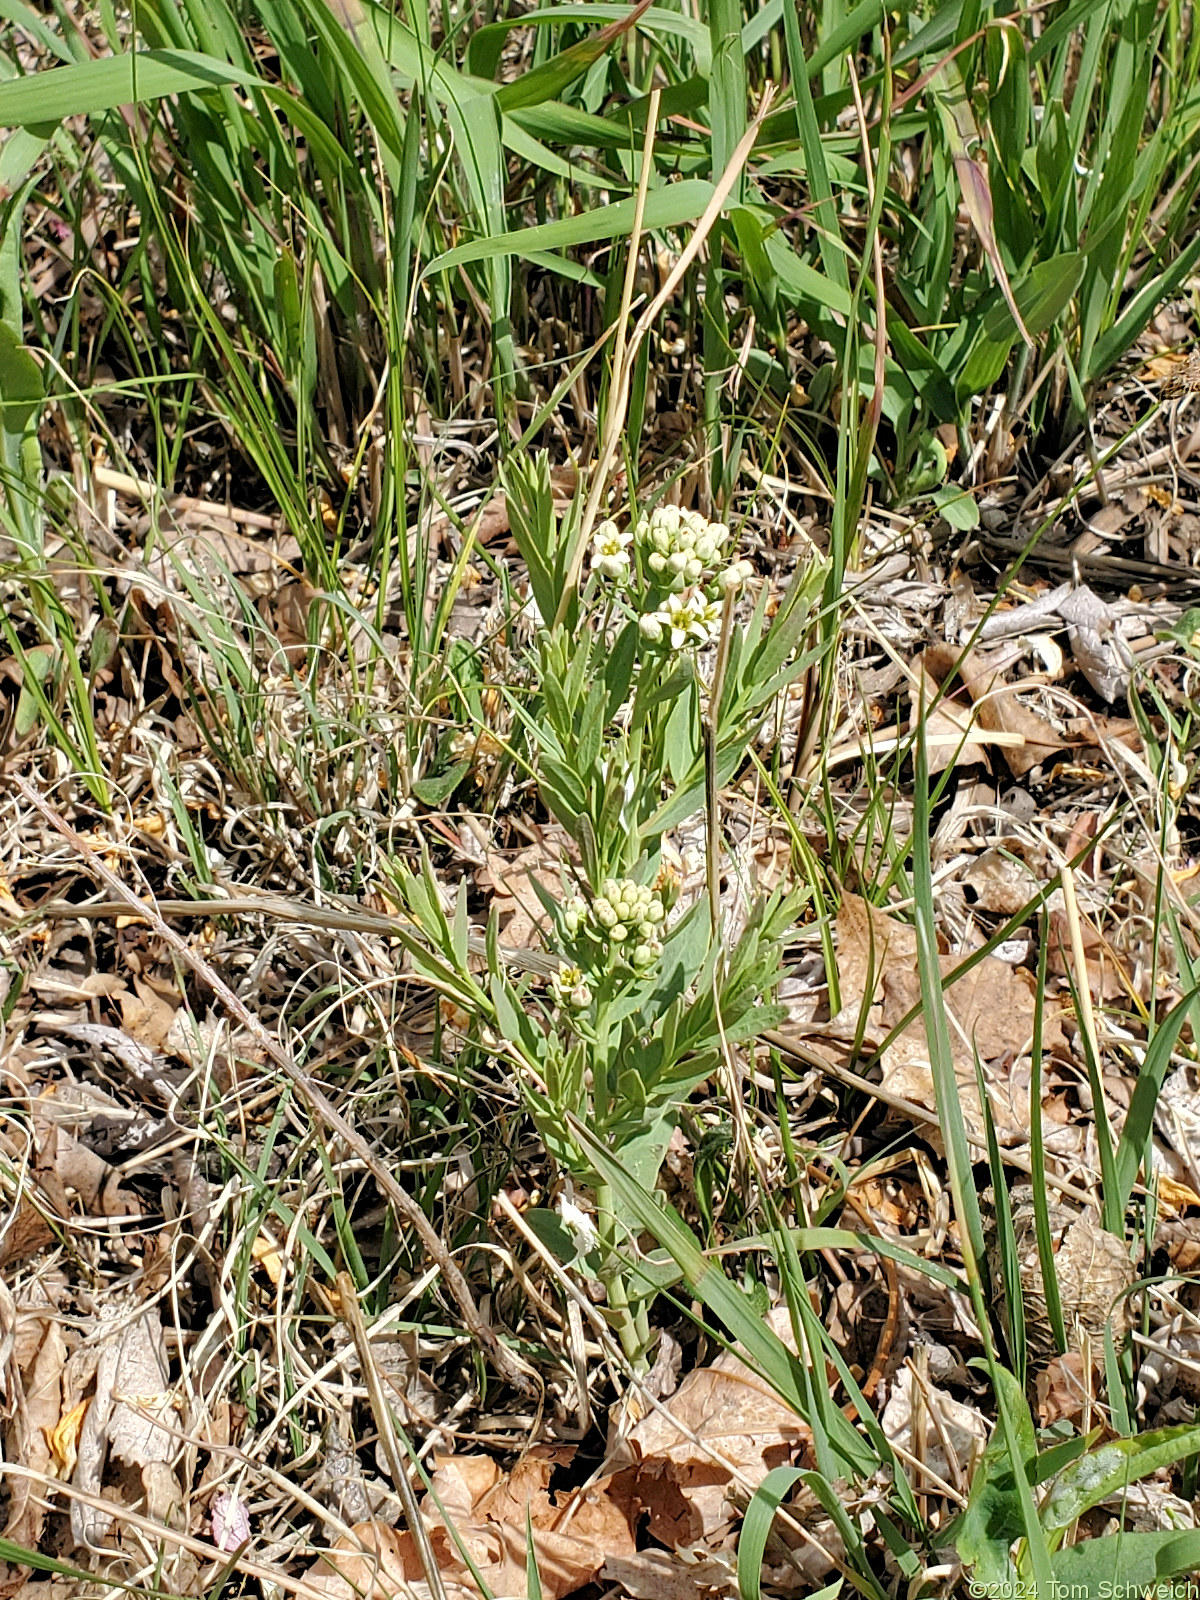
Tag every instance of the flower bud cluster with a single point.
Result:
(624, 916)
(680, 548)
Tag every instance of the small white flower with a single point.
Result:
(609, 554)
(579, 1225)
(570, 988)
(736, 576)
(691, 619)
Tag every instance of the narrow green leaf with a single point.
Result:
(1134, 1146)
(669, 207)
(756, 1528)
(93, 86)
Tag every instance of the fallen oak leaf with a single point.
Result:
(573, 1534)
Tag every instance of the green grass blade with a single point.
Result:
(90, 87)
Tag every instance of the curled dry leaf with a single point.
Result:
(948, 722)
(132, 1393)
(374, 1562)
(1180, 1238)
(1001, 710)
(1063, 1392)
(60, 1164)
(148, 1016)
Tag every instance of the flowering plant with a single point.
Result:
(643, 999)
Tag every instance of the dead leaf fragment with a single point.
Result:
(1001, 710)
(573, 1534)
(514, 883)
(947, 724)
(663, 1575)
(1000, 881)
(989, 1008)
(29, 1431)
(935, 1430)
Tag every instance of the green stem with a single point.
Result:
(631, 1330)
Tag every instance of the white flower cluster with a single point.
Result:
(625, 915)
(680, 556)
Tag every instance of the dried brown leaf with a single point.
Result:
(511, 881)
(947, 725)
(724, 1424)
(989, 1009)
(33, 1422)
(572, 1534)
(662, 1575)
(132, 1394)
(1001, 881)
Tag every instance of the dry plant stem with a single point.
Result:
(139, 489)
(711, 729)
(1087, 1017)
(618, 395)
(322, 1109)
(351, 1313)
(283, 909)
(614, 414)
